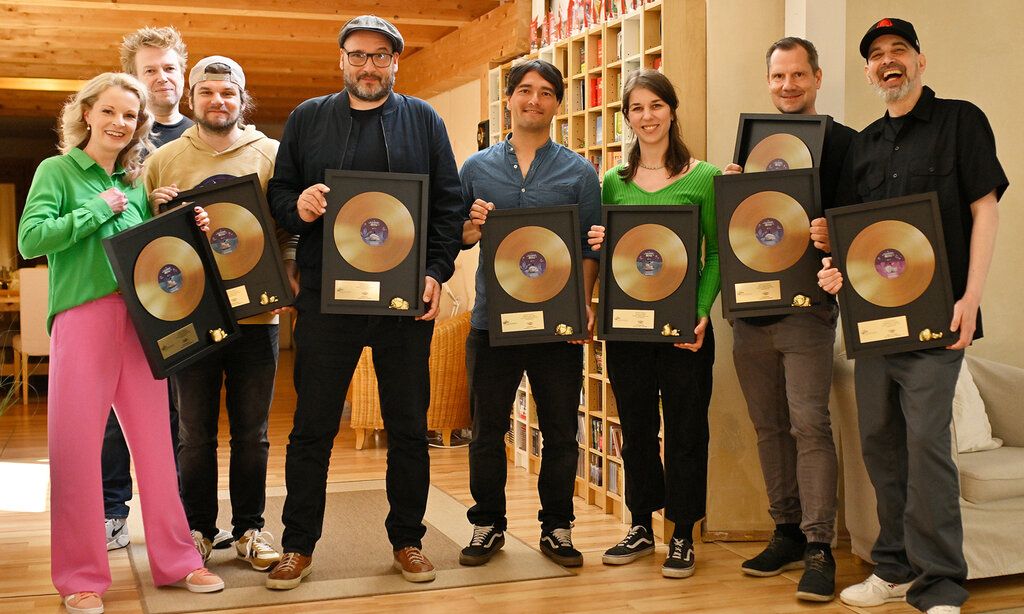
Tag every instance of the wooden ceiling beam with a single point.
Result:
(500, 35)
(402, 13)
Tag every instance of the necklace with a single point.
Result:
(650, 168)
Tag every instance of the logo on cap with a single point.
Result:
(885, 23)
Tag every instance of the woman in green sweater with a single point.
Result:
(89, 192)
(660, 171)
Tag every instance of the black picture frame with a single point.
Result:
(265, 286)
(172, 344)
(562, 317)
(747, 292)
(872, 329)
(397, 291)
(754, 127)
(621, 317)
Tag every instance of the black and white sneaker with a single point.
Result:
(637, 543)
(781, 554)
(222, 540)
(485, 543)
(680, 562)
(556, 544)
(819, 580)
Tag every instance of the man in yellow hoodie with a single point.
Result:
(221, 146)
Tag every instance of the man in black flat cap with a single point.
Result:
(365, 127)
(905, 400)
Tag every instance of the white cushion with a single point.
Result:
(993, 475)
(970, 423)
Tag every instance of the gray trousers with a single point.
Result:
(905, 404)
(785, 372)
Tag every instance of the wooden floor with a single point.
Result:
(718, 585)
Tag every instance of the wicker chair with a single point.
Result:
(449, 393)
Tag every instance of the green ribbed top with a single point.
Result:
(696, 188)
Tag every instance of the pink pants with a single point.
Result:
(96, 361)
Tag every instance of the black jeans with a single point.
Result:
(247, 368)
(637, 372)
(327, 350)
(116, 463)
(556, 374)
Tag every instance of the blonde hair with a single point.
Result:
(159, 38)
(74, 131)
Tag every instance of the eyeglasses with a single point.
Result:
(380, 60)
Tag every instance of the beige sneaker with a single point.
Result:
(201, 580)
(203, 545)
(254, 548)
(83, 603)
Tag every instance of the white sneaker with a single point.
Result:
(873, 591)
(222, 539)
(944, 609)
(254, 548)
(117, 533)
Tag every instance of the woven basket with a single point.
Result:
(449, 393)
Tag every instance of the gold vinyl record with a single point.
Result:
(890, 263)
(778, 152)
(169, 278)
(236, 238)
(769, 231)
(649, 262)
(532, 264)
(374, 232)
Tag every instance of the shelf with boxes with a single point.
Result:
(595, 64)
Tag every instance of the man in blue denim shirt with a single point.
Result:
(526, 170)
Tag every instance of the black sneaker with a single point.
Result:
(819, 580)
(485, 543)
(781, 554)
(556, 544)
(681, 560)
(637, 543)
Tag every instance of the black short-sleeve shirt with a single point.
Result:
(945, 146)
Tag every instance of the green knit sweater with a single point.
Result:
(696, 188)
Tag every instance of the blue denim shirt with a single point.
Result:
(557, 176)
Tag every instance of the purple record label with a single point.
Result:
(648, 262)
(169, 278)
(374, 232)
(769, 232)
(224, 241)
(533, 264)
(777, 164)
(890, 263)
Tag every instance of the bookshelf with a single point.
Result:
(595, 64)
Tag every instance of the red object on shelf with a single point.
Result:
(600, 53)
(657, 63)
(596, 90)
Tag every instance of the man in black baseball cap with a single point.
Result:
(905, 400)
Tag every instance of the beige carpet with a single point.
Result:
(352, 559)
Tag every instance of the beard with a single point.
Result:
(890, 95)
(371, 93)
(220, 126)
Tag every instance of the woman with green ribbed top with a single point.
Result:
(660, 171)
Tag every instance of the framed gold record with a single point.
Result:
(897, 295)
(244, 242)
(168, 278)
(532, 267)
(780, 142)
(649, 263)
(374, 243)
(767, 261)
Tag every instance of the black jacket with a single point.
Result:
(316, 138)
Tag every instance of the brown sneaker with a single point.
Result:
(414, 566)
(290, 571)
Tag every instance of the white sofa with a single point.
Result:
(991, 482)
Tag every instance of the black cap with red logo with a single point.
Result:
(889, 25)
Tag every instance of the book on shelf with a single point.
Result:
(598, 358)
(615, 440)
(600, 53)
(563, 134)
(613, 478)
(581, 465)
(618, 45)
(521, 436)
(581, 429)
(595, 470)
(598, 131)
(616, 158)
(583, 397)
(596, 435)
(521, 404)
(580, 102)
(617, 128)
(596, 91)
(536, 444)
(656, 65)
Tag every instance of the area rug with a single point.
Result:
(352, 559)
